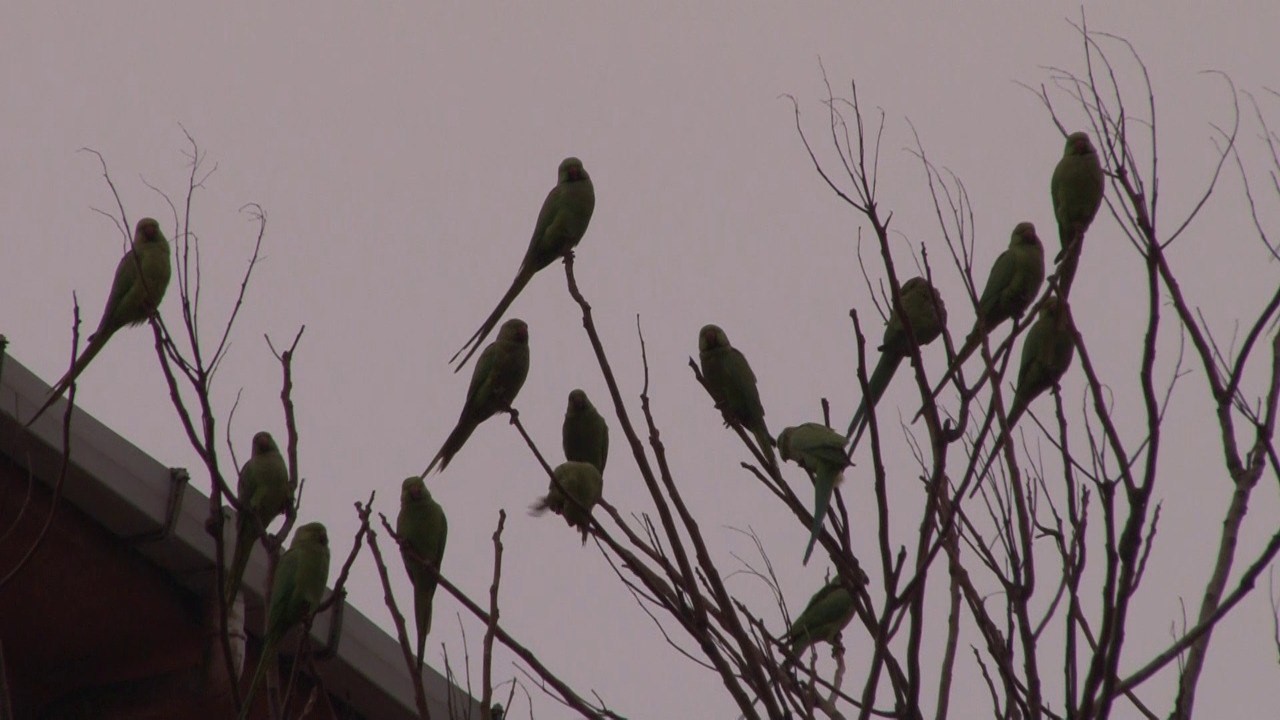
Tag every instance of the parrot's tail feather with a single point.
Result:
(822, 500)
(258, 674)
(1068, 258)
(1015, 413)
(452, 445)
(239, 559)
(1067, 237)
(991, 459)
(430, 467)
(884, 371)
(97, 341)
(856, 421)
(522, 278)
(766, 444)
(422, 610)
(970, 344)
(876, 386)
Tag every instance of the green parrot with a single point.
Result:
(820, 451)
(828, 611)
(561, 224)
(733, 386)
(1014, 281)
(142, 276)
(928, 316)
(1076, 187)
(295, 593)
(422, 528)
(495, 381)
(263, 492)
(585, 434)
(583, 483)
(1046, 354)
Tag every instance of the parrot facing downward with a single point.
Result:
(584, 484)
(422, 528)
(828, 611)
(820, 451)
(495, 381)
(928, 316)
(1076, 187)
(295, 593)
(1015, 279)
(585, 435)
(733, 386)
(142, 276)
(561, 224)
(263, 493)
(1046, 354)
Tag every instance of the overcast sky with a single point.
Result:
(401, 154)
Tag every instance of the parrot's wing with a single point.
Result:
(551, 207)
(482, 375)
(1002, 275)
(126, 278)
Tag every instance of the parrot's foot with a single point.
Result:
(837, 646)
(179, 478)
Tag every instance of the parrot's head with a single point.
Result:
(784, 443)
(413, 490)
(571, 170)
(148, 230)
(1024, 233)
(263, 443)
(1078, 143)
(711, 337)
(578, 401)
(514, 330)
(914, 285)
(1055, 309)
(311, 533)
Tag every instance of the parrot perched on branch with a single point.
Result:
(263, 492)
(828, 612)
(583, 483)
(423, 529)
(561, 224)
(1014, 281)
(295, 594)
(497, 378)
(733, 386)
(1077, 187)
(820, 451)
(1046, 354)
(585, 435)
(142, 276)
(928, 317)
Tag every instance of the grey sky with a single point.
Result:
(401, 155)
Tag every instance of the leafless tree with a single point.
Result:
(1019, 545)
